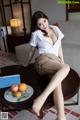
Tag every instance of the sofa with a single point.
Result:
(22, 53)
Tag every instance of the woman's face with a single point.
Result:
(42, 23)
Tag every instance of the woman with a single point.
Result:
(47, 39)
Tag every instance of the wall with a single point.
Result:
(54, 10)
(74, 16)
(71, 30)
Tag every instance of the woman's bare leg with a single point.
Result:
(59, 102)
(55, 81)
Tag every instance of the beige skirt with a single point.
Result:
(47, 63)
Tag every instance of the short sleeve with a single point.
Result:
(59, 33)
(33, 41)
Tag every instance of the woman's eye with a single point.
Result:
(44, 20)
(39, 24)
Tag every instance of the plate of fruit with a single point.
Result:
(18, 93)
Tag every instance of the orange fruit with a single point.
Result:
(22, 87)
(17, 94)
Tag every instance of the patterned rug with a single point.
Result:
(72, 113)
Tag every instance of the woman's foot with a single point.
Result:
(36, 110)
(37, 105)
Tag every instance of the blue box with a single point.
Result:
(9, 80)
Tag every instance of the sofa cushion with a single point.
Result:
(22, 52)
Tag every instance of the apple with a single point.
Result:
(14, 88)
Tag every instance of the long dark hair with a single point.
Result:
(34, 20)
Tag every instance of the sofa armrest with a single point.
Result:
(22, 51)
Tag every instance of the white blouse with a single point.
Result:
(43, 42)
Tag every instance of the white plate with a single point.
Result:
(9, 96)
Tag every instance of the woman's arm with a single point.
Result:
(30, 56)
(60, 54)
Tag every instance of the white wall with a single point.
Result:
(74, 16)
(51, 8)
(54, 10)
(71, 30)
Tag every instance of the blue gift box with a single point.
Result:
(9, 80)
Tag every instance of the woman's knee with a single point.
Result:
(66, 67)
